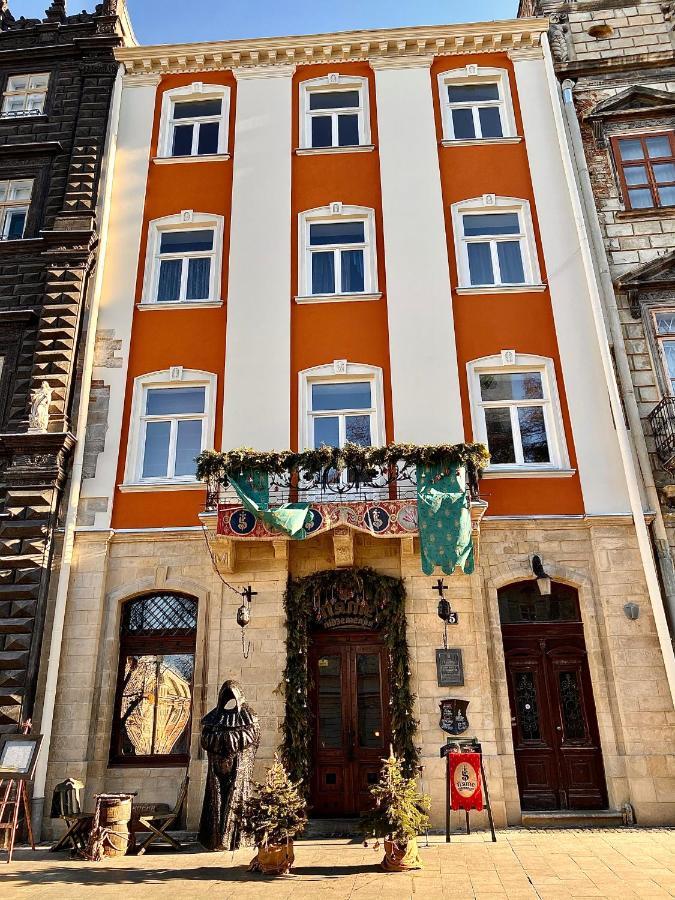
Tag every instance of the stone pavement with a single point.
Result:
(617, 863)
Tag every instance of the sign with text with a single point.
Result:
(449, 668)
(466, 788)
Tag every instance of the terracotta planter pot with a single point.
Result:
(401, 857)
(274, 859)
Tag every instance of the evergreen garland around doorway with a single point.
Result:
(388, 596)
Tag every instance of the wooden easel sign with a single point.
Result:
(18, 758)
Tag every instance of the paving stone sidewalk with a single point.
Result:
(618, 863)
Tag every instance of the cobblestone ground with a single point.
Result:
(621, 864)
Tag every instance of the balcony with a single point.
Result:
(662, 422)
(356, 489)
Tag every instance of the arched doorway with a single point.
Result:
(553, 720)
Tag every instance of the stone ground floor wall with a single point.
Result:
(597, 556)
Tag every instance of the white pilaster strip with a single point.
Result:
(603, 480)
(120, 267)
(258, 350)
(424, 376)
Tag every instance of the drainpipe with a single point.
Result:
(662, 546)
(625, 448)
(73, 498)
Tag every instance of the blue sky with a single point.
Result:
(174, 21)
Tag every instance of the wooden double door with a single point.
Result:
(349, 693)
(555, 730)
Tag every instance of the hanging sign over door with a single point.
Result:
(466, 787)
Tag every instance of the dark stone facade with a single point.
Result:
(44, 280)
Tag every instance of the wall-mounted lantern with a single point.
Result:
(543, 580)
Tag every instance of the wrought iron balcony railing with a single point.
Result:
(662, 421)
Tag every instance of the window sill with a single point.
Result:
(501, 289)
(183, 304)
(337, 298)
(24, 117)
(525, 472)
(654, 212)
(172, 160)
(480, 142)
(320, 151)
(147, 486)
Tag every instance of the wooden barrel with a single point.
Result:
(114, 823)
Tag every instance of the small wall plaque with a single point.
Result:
(449, 668)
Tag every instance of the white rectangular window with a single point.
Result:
(340, 413)
(475, 110)
(185, 265)
(25, 95)
(14, 204)
(196, 127)
(334, 112)
(494, 247)
(515, 410)
(337, 257)
(664, 322)
(172, 432)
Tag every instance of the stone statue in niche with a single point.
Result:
(40, 400)
(230, 736)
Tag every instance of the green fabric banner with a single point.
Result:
(444, 519)
(254, 492)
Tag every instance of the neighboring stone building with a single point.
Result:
(615, 62)
(57, 78)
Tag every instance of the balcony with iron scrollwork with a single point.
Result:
(662, 422)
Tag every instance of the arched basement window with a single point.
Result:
(153, 704)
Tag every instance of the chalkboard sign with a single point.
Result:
(449, 668)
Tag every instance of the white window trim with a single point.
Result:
(339, 372)
(555, 428)
(334, 82)
(660, 341)
(470, 75)
(7, 207)
(336, 212)
(195, 91)
(184, 221)
(166, 378)
(490, 203)
(25, 113)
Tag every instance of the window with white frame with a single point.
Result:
(183, 262)
(25, 95)
(194, 121)
(476, 104)
(495, 242)
(14, 204)
(334, 112)
(664, 325)
(172, 422)
(516, 412)
(337, 247)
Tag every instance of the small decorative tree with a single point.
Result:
(275, 813)
(400, 814)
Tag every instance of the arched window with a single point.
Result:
(194, 122)
(334, 113)
(476, 105)
(153, 704)
(523, 602)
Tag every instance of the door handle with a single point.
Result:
(558, 727)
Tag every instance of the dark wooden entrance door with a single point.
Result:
(555, 729)
(555, 732)
(349, 691)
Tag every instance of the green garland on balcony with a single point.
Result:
(212, 464)
(387, 596)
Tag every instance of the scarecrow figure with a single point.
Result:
(230, 736)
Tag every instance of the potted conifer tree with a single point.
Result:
(275, 813)
(399, 815)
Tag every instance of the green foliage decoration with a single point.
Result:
(276, 810)
(386, 596)
(400, 812)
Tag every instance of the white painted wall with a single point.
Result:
(258, 351)
(121, 266)
(603, 479)
(424, 375)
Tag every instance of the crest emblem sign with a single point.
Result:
(454, 719)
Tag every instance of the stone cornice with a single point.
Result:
(349, 46)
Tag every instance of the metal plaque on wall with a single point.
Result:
(449, 668)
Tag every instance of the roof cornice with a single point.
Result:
(347, 46)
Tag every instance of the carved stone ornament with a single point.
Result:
(559, 47)
(40, 400)
(454, 719)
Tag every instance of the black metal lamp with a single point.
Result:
(446, 613)
(543, 580)
(244, 617)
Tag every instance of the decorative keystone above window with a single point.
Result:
(194, 122)
(334, 113)
(508, 357)
(476, 105)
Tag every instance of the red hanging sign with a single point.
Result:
(466, 786)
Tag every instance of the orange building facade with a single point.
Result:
(375, 238)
